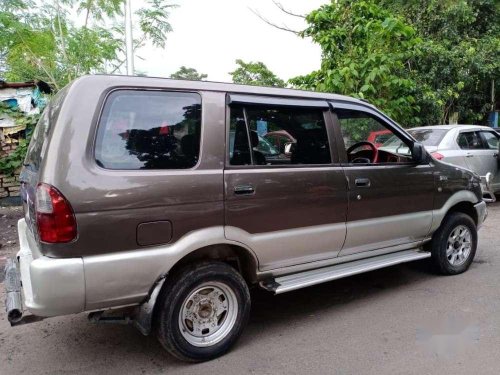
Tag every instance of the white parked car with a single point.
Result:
(470, 146)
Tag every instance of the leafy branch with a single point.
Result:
(13, 161)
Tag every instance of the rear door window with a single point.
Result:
(470, 141)
(36, 148)
(142, 129)
(304, 128)
(39, 139)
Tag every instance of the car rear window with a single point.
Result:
(428, 137)
(39, 139)
(142, 129)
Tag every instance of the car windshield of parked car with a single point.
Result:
(395, 145)
(264, 146)
(428, 137)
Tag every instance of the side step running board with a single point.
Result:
(301, 280)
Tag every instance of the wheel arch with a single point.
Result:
(239, 257)
(465, 207)
(462, 201)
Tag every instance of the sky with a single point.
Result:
(210, 35)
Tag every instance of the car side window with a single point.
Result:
(142, 129)
(301, 132)
(469, 141)
(368, 140)
(490, 140)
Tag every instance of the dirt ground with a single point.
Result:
(8, 234)
(399, 320)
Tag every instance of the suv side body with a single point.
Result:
(138, 226)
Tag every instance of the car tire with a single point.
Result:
(202, 311)
(454, 244)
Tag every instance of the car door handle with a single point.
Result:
(468, 155)
(244, 190)
(362, 182)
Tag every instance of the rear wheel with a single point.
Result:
(202, 311)
(454, 244)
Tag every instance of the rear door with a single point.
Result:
(490, 155)
(289, 209)
(478, 156)
(390, 196)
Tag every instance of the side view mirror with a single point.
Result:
(418, 153)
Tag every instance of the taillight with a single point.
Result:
(54, 216)
(437, 155)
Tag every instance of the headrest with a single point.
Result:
(254, 138)
(189, 145)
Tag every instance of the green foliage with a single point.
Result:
(367, 53)
(188, 73)
(154, 21)
(38, 40)
(98, 9)
(10, 164)
(255, 73)
(459, 58)
(418, 60)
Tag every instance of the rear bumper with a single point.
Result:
(50, 287)
(482, 213)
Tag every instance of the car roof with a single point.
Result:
(121, 80)
(450, 127)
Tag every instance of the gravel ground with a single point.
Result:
(400, 320)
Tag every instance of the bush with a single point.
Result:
(13, 161)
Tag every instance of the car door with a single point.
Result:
(287, 213)
(489, 155)
(390, 200)
(478, 158)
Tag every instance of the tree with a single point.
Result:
(367, 53)
(255, 73)
(459, 60)
(189, 74)
(38, 40)
(421, 61)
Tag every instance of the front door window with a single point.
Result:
(368, 141)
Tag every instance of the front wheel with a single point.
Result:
(202, 311)
(454, 244)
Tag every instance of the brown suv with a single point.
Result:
(155, 201)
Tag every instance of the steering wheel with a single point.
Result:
(373, 148)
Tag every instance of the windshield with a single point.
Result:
(428, 137)
(266, 147)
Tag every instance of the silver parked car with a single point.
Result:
(470, 146)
